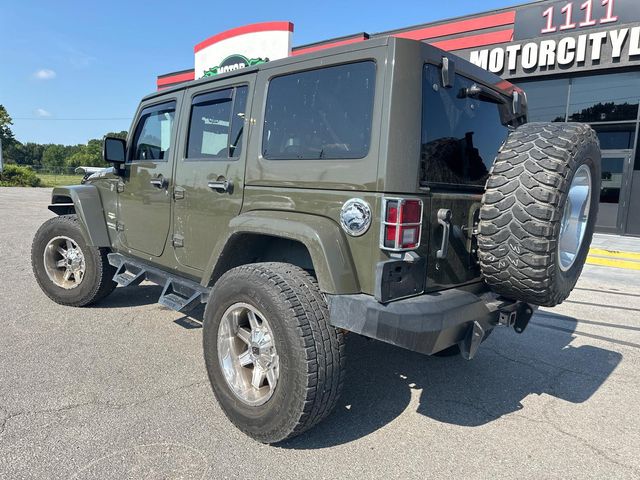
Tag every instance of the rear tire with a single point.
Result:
(310, 352)
(96, 281)
(525, 208)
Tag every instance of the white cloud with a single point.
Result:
(41, 112)
(44, 74)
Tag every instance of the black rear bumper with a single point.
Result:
(427, 323)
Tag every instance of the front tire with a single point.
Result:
(275, 364)
(69, 271)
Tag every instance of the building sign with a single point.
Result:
(233, 62)
(242, 47)
(591, 50)
(570, 16)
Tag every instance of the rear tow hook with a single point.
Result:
(472, 340)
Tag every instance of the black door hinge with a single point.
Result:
(177, 241)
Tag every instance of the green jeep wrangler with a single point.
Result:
(385, 188)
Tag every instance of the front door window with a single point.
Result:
(153, 134)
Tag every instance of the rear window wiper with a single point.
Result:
(483, 93)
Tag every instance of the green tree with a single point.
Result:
(54, 155)
(29, 153)
(6, 135)
(89, 155)
(122, 134)
(50, 155)
(32, 153)
(7, 138)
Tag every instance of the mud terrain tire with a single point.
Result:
(523, 207)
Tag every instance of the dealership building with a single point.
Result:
(577, 61)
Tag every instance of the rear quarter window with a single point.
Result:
(320, 114)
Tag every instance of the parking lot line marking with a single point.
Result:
(600, 305)
(555, 317)
(613, 262)
(590, 335)
(608, 292)
(614, 254)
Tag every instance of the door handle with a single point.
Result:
(221, 186)
(159, 182)
(444, 219)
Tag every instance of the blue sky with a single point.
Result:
(72, 70)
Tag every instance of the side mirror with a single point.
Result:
(114, 150)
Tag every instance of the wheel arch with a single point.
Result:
(308, 241)
(85, 202)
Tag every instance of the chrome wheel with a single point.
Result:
(64, 262)
(575, 218)
(247, 354)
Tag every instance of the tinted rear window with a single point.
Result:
(460, 135)
(320, 114)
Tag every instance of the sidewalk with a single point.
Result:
(615, 251)
(616, 243)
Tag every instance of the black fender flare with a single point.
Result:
(85, 202)
(323, 238)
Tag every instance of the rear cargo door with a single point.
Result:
(461, 136)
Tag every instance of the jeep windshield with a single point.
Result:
(463, 128)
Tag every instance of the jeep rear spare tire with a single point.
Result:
(539, 211)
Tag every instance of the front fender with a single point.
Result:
(323, 238)
(88, 207)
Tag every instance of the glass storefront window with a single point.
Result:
(616, 137)
(602, 98)
(612, 169)
(547, 99)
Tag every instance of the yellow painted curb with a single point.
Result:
(614, 254)
(612, 262)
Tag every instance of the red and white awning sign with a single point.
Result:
(243, 46)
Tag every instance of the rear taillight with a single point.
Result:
(401, 224)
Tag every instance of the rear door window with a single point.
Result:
(217, 124)
(461, 135)
(320, 114)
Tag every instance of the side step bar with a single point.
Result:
(179, 293)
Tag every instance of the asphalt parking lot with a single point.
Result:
(120, 390)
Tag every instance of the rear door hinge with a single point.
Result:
(120, 187)
(177, 241)
(119, 226)
(178, 193)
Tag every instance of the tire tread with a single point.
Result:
(521, 210)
